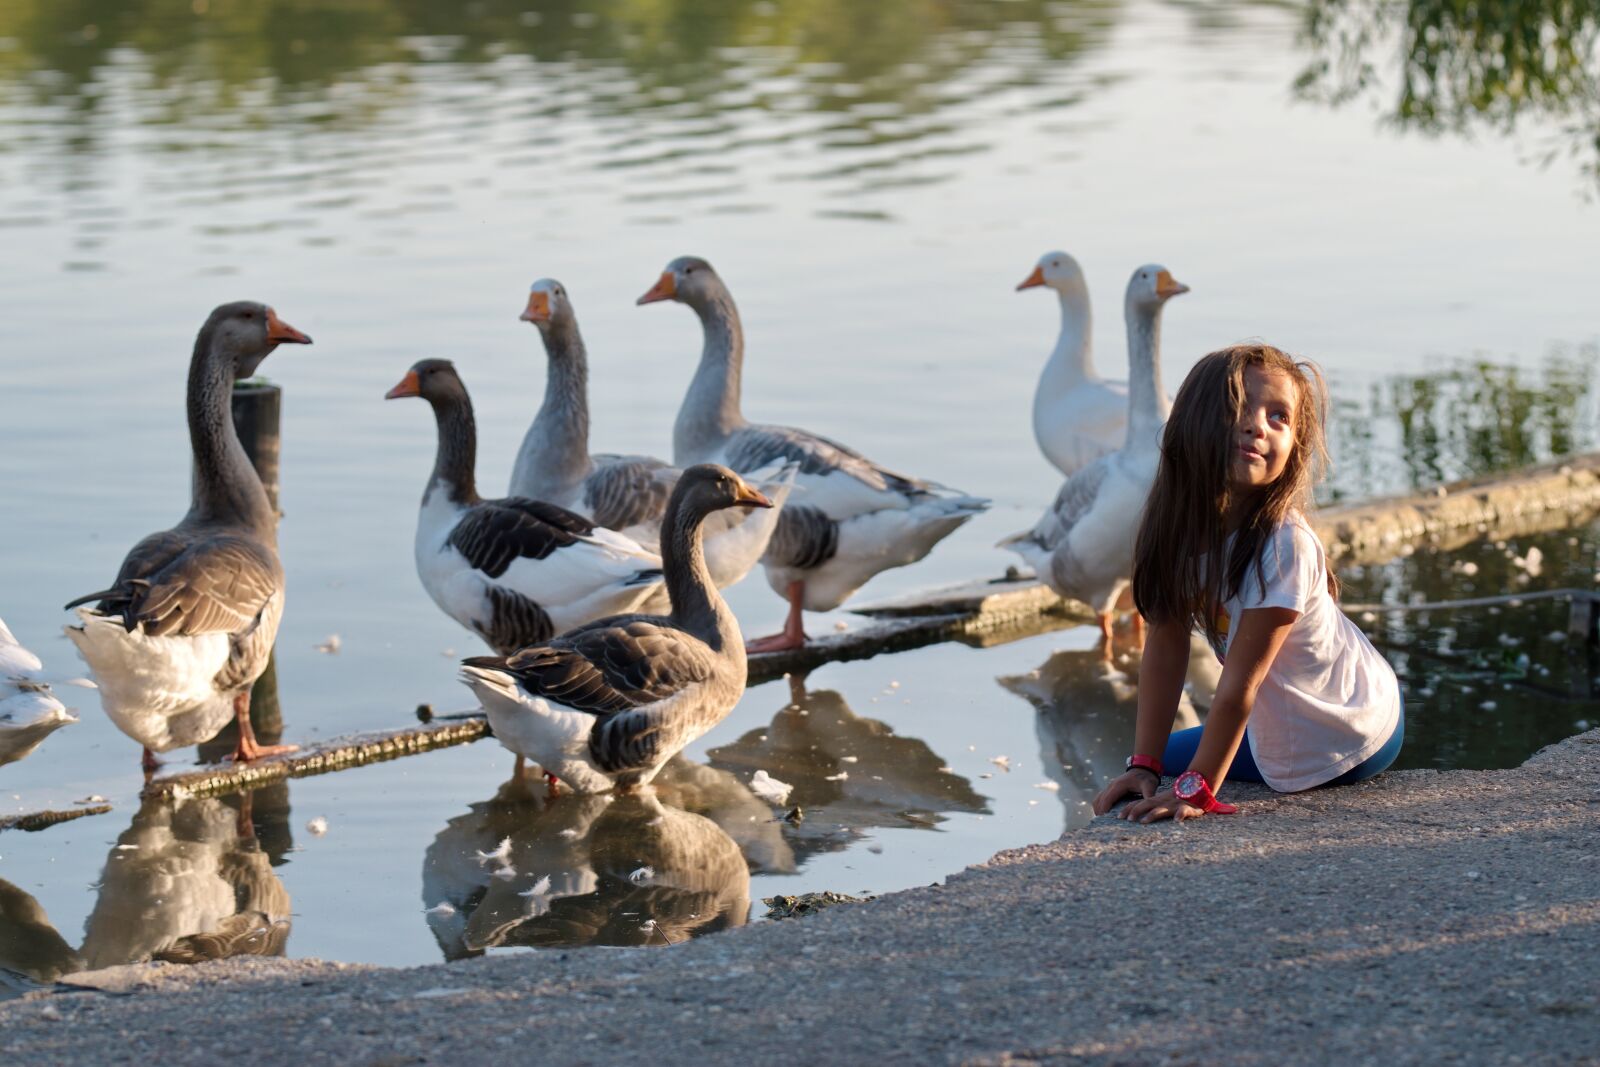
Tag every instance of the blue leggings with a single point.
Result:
(1182, 745)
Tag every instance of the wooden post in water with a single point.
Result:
(257, 410)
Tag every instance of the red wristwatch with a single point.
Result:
(1149, 763)
(1192, 788)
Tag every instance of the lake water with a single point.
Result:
(872, 181)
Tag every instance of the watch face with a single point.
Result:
(1187, 787)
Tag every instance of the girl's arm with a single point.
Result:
(1261, 633)
(1161, 674)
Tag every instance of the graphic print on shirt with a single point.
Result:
(1220, 645)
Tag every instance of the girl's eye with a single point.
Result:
(1281, 416)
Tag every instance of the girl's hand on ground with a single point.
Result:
(1164, 805)
(1138, 782)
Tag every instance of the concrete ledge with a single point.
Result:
(1420, 918)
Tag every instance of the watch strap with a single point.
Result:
(1149, 763)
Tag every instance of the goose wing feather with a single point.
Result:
(495, 533)
(613, 666)
(759, 446)
(177, 585)
(625, 491)
(1073, 501)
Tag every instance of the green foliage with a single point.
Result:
(1457, 65)
(212, 57)
(1466, 420)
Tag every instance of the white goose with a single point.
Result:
(178, 640)
(609, 703)
(851, 518)
(625, 493)
(1078, 416)
(1083, 545)
(29, 711)
(514, 571)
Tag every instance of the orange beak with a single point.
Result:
(665, 288)
(1033, 280)
(1167, 285)
(538, 309)
(409, 386)
(280, 332)
(750, 497)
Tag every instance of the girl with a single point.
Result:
(1239, 456)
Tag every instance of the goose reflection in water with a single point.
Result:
(32, 953)
(530, 869)
(1087, 711)
(849, 774)
(190, 881)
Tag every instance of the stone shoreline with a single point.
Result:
(1422, 917)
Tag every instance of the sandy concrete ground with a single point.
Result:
(1423, 917)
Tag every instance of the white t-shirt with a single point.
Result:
(1329, 700)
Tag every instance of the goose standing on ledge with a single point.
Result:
(607, 704)
(1083, 545)
(625, 493)
(188, 627)
(1078, 416)
(852, 520)
(29, 712)
(513, 571)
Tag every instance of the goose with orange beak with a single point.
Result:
(1083, 545)
(514, 571)
(178, 640)
(1078, 416)
(850, 518)
(605, 705)
(624, 493)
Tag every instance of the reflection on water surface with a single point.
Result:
(1464, 420)
(1439, 66)
(396, 172)
(1087, 710)
(850, 774)
(534, 870)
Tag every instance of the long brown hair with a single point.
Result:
(1183, 535)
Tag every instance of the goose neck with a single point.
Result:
(225, 486)
(1072, 363)
(710, 411)
(456, 459)
(1145, 392)
(554, 458)
(697, 607)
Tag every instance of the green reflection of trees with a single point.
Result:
(1489, 64)
(222, 56)
(1468, 420)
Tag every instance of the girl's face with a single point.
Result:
(1264, 435)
